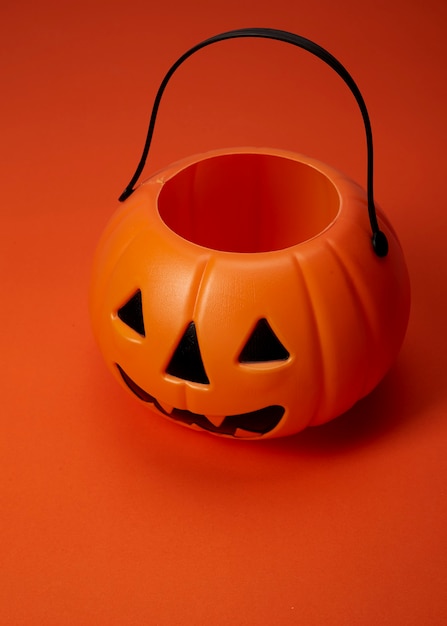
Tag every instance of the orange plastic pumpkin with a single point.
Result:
(238, 292)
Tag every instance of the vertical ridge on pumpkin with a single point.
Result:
(200, 280)
(313, 320)
(356, 295)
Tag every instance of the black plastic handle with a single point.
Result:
(379, 240)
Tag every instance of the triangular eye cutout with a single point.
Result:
(263, 346)
(186, 362)
(131, 314)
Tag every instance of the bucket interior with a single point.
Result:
(248, 202)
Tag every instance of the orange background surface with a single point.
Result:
(112, 516)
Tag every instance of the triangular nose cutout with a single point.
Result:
(186, 362)
(131, 313)
(263, 346)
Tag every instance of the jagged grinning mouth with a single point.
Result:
(243, 425)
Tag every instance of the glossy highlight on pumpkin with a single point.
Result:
(176, 305)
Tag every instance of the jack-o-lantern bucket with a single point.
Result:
(250, 293)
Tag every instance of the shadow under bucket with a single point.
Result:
(248, 202)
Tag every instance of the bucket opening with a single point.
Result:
(248, 202)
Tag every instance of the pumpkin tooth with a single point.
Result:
(166, 407)
(245, 434)
(216, 420)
